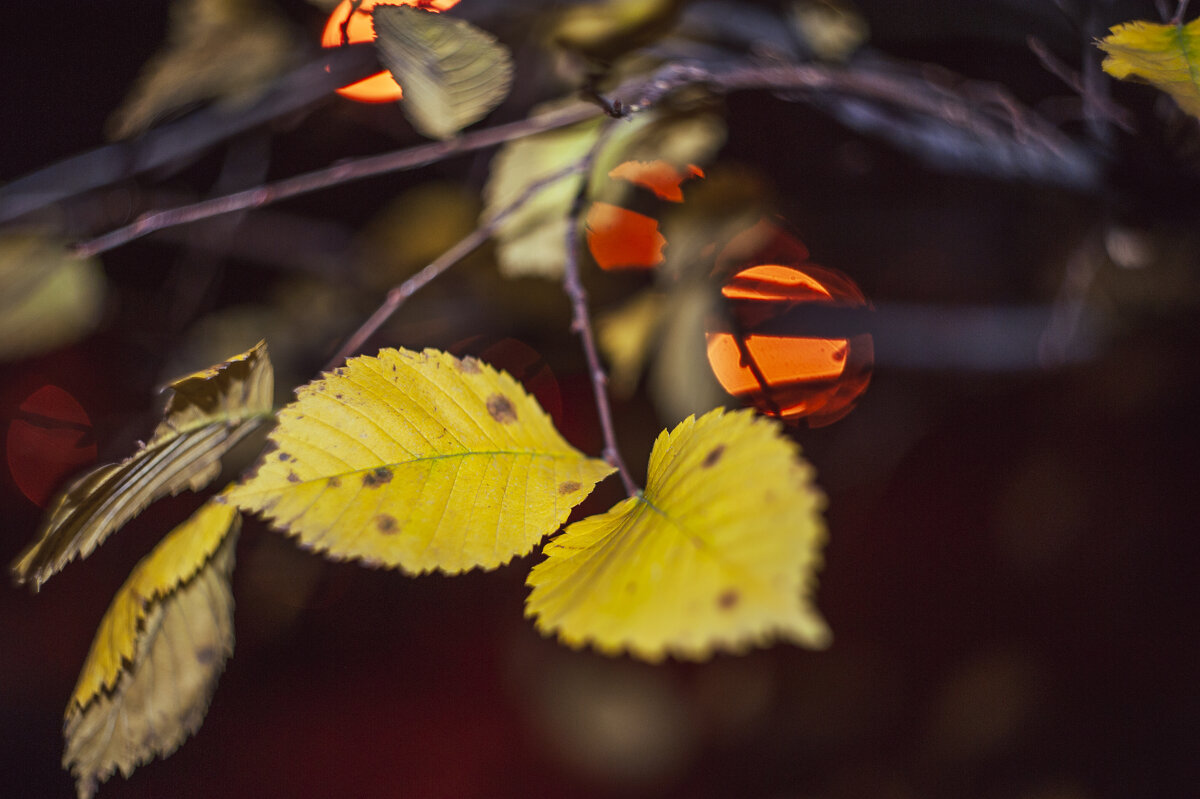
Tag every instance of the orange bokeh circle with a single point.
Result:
(380, 87)
(792, 377)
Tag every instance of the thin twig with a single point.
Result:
(398, 295)
(338, 174)
(1096, 104)
(581, 321)
(1180, 10)
(638, 95)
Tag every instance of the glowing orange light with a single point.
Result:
(48, 441)
(380, 87)
(658, 176)
(793, 377)
(621, 238)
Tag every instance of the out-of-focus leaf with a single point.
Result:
(1167, 56)
(626, 336)
(453, 73)
(48, 297)
(225, 50)
(532, 241)
(681, 382)
(421, 461)
(154, 664)
(607, 27)
(414, 229)
(832, 28)
(208, 413)
(719, 553)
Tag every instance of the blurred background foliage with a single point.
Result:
(1011, 568)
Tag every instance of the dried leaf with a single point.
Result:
(719, 553)
(420, 461)
(532, 240)
(208, 413)
(48, 297)
(1165, 55)
(453, 73)
(227, 50)
(154, 664)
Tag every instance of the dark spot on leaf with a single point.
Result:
(206, 656)
(334, 482)
(386, 524)
(284, 456)
(337, 396)
(293, 477)
(501, 409)
(569, 487)
(469, 365)
(711, 458)
(377, 476)
(268, 448)
(728, 599)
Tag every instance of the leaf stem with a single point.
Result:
(399, 294)
(581, 321)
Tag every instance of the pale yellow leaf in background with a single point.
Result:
(176, 559)
(208, 413)
(719, 553)
(626, 337)
(183, 640)
(834, 29)
(681, 380)
(420, 461)
(223, 50)
(453, 73)
(1167, 56)
(532, 241)
(598, 25)
(48, 297)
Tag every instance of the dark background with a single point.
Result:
(1011, 568)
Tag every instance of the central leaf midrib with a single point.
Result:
(421, 459)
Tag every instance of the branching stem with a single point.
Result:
(581, 321)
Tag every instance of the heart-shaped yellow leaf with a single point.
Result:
(154, 663)
(209, 411)
(421, 461)
(719, 552)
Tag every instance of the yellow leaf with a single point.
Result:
(208, 413)
(421, 461)
(718, 553)
(453, 73)
(832, 28)
(176, 560)
(227, 50)
(48, 297)
(532, 241)
(626, 336)
(1167, 56)
(124, 712)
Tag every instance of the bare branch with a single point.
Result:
(581, 321)
(335, 175)
(398, 295)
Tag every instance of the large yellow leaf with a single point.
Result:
(421, 461)
(718, 553)
(48, 297)
(532, 241)
(1167, 56)
(148, 679)
(208, 413)
(453, 73)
